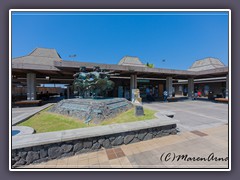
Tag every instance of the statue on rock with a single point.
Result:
(92, 84)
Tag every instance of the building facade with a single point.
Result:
(45, 66)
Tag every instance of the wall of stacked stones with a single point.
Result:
(42, 153)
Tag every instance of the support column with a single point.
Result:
(227, 86)
(31, 86)
(133, 83)
(169, 86)
(190, 88)
(68, 92)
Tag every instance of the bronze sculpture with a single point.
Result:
(92, 84)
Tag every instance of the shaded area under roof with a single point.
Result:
(206, 64)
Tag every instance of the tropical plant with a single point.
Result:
(150, 65)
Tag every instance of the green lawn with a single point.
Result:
(129, 116)
(45, 121)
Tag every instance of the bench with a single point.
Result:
(172, 99)
(223, 100)
(28, 103)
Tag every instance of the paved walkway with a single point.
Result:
(147, 154)
(20, 114)
(203, 139)
(195, 115)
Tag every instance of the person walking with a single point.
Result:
(165, 95)
(199, 93)
(148, 93)
(195, 95)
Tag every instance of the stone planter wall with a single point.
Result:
(41, 153)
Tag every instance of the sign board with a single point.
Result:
(143, 80)
(139, 110)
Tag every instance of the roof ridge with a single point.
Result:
(45, 52)
(206, 64)
(32, 52)
(131, 60)
(206, 58)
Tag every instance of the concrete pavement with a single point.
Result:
(23, 113)
(201, 143)
(211, 145)
(194, 115)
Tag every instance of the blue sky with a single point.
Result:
(179, 38)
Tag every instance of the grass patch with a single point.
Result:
(129, 116)
(45, 121)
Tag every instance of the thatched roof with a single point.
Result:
(206, 64)
(131, 61)
(41, 56)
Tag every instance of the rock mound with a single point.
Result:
(92, 110)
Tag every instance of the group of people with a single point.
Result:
(149, 95)
(197, 94)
